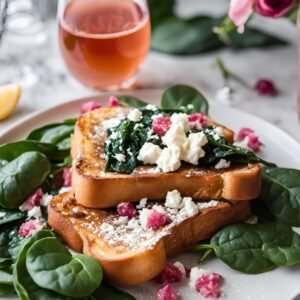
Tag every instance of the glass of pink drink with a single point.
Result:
(104, 42)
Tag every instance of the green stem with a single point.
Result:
(200, 247)
(227, 74)
(205, 255)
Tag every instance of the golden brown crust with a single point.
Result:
(128, 267)
(95, 188)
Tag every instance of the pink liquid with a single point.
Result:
(103, 42)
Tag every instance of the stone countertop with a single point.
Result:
(55, 84)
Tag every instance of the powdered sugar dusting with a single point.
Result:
(131, 234)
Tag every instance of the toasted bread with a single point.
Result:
(132, 255)
(98, 189)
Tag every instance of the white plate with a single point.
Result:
(282, 283)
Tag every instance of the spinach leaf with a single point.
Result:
(252, 38)
(8, 215)
(53, 134)
(14, 252)
(6, 266)
(180, 95)
(257, 248)
(3, 163)
(20, 177)
(185, 36)
(131, 101)
(159, 10)
(70, 121)
(9, 238)
(285, 252)
(240, 247)
(108, 292)
(6, 288)
(51, 266)
(218, 148)
(23, 283)
(196, 35)
(11, 151)
(261, 211)
(127, 140)
(281, 194)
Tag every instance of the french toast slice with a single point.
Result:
(129, 253)
(95, 188)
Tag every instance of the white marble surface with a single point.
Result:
(279, 64)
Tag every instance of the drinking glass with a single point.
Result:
(104, 42)
(21, 34)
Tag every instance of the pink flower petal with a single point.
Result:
(33, 200)
(198, 120)
(266, 87)
(161, 125)
(252, 140)
(113, 101)
(244, 132)
(89, 106)
(156, 219)
(67, 176)
(30, 227)
(208, 285)
(273, 9)
(169, 274)
(240, 11)
(166, 293)
(126, 209)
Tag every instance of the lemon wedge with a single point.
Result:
(9, 97)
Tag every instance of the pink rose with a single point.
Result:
(240, 11)
(273, 8)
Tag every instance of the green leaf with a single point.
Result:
(6, 288)
(11, 151)
(52, 134)
(253, 38)
(240, 247)
(180, 95)
(261, 211)
(20, 177)
(51, 266)
(9, 238)
(23, 283)
(8, 215)
(131, 101)
(285, 252)
(185, 36)
(160, 10)
(105, 291)
(281, 194)
(257, 248)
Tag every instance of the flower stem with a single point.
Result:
(227, 74)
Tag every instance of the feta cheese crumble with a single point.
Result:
(193, 148)
(190, 208)
(35, 212)
(149, 153)
(142, 204)
(173, 199)
(169, 159)
(135, 115)
(120, 157)
(179, 146)
(151, 107)
(222, 164)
